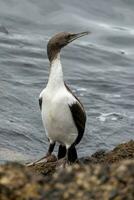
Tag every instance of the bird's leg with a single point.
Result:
(62, 156)
(65, 160)
(47, 157)
(61, 152)
(50, 149)
(70, 156)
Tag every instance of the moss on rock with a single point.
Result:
(104, 176)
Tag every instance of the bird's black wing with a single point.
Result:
(40, 102)
(79, 117)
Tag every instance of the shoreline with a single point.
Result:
(104, 175)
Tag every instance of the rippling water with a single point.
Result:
(99, 68)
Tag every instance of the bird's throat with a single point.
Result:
(56, 74)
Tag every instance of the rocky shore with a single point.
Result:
(103, 176)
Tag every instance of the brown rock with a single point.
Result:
(111, 179)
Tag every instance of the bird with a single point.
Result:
(63, 115)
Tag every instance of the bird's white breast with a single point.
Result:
(56, 115)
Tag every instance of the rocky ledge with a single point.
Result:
(103, 176)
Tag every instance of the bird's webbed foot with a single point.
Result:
(44, 159)
(49, 157)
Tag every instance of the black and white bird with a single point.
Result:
(62, 112)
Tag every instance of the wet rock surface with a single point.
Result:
(122, 151)
(106, 176)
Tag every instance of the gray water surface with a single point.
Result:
(99, 68)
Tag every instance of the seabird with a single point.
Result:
(63, 114)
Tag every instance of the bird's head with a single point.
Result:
(58, 41)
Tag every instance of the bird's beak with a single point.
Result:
(78, 35)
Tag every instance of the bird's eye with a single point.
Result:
(68, 37)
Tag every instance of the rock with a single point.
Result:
(122, 151)
(44, 168)
(105, 176)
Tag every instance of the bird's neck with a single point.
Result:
(56, 74)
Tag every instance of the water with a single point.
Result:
(99, 69)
